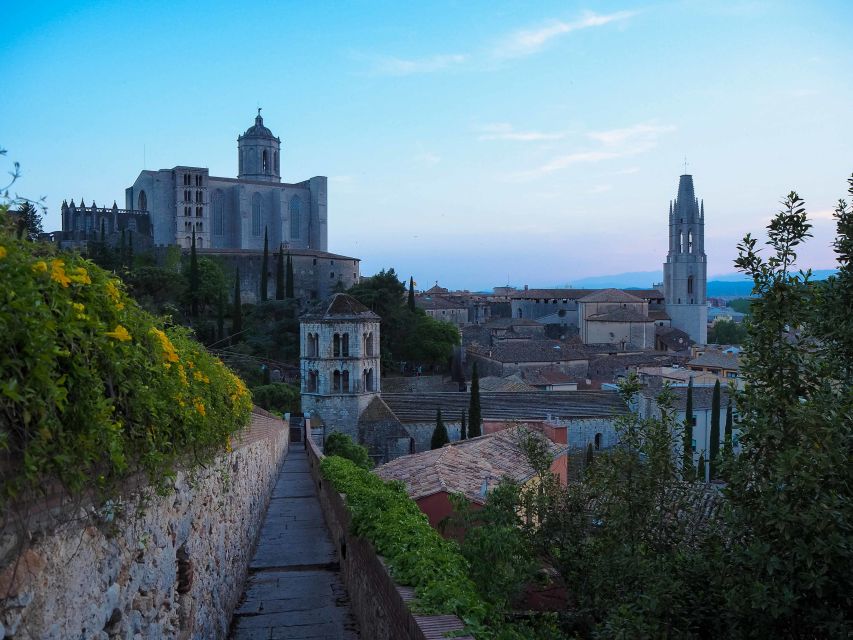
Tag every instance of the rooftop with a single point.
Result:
(716, 360)
(470, 467)
(503, 405)
(610, 295)
(529, 351)
(619, 315)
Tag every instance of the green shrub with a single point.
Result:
(384, 514)
(340, 444)
(278, 396)
(92, 388)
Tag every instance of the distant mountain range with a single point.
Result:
(719, 286)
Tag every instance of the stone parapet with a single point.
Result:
(168, 566)
(380, 605)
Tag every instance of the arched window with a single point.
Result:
(257, 212)
(199, 242)
(142, 201)
(336, 346)
(680, 242)
(345, 382)
(689, 284)
(264, 162)
(689, 242)
(311, 382)
(368, 380)
(218, 214)
(198, 211)
(597, 441)
(368, 344)
(345, 345)
(188, 242)
(295, 217)
(336, 381)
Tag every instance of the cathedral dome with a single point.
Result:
(258, 130)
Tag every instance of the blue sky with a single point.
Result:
(472, 143)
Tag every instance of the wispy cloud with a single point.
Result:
(529, 41)
(614, 144)
(428, 158)
(392, 66)
(505, 131)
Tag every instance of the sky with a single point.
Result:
(474, 144)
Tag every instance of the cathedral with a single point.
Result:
(232, 213)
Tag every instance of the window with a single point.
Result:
(597, 441)
(218, 214)
(689, 284)
(336, 346)
(187, 195)
(264, 161)
(311, 382)
(693, 444)
(275, 160)
(367, 383)
(345, 345)
(198, 180)
(680, 242)
(296, 218)
(241, 161)
(336, 381)
(332, 274)
(689, 242)
(257, 212)
(345, 382)
(199, 242)
(198, 197)
(188, 242)
(142, 201)
(198, 211)
(131, 224)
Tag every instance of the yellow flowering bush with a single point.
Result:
(93, 388)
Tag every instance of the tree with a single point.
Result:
(463, 428)
(588, 461)
(340, 444)
(474, 415)
(687, 443)
(130, 257)
(122, 251)
(288, 289)
(264, 268)
(439, 435)
(411, 294)
(220, 318)
(237, 313)
(727, 332)
(700, 469)
(29, 221)
(193, 277)
(727, 438)
(789, 490)
(279, 275)
(714, 444)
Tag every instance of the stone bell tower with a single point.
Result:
(259, 153)
(685, 270)
(339, 364)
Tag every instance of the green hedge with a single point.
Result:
(92, 388)
(384, 514)
(340, 444)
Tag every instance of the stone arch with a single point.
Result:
(597, 441)
(345, 381)
(367, 382)
(336, 345)
(336, 381)
(345, 345)
(311, 381)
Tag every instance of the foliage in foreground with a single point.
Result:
(340, 444)
(94, 389)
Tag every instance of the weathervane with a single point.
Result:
(685, 160)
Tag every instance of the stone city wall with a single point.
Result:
(378, 603)
(176, 571)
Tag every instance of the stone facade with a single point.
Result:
(339, 347)
(82, 224)
(174, 572)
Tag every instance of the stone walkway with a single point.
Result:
(293, 589)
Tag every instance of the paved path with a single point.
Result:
(293, 589)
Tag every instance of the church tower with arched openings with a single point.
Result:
(685, 271)
(339, 349)
(259, 153)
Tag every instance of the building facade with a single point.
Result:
(233, 213)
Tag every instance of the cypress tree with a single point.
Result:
(279, 275)
(700, 470)
(264, 268)
(589, 458)
(475, 419)
(220, 318)
(687, 468)
(411, 294)
(463, 428)
(288, 287)
(193, 279)
(237, 315)
(714, 446)
(727, 440)
(267, 376)
(439, 435)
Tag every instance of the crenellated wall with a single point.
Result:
(174, 572)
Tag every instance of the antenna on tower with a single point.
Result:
(685, 165)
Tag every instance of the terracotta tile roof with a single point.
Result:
(673, 338)
(464, 466)
(341, 306)
(716, 359)
(702, 396)
(542, 377)
(610, 295)
(658, 314)
(428, 302)
(512, 383)
(567, 294)
(529, 351)
(505, 323)
(646, 294)
(499, 405)
(619, 315)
